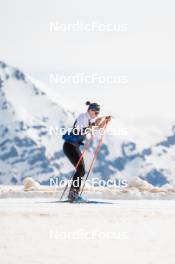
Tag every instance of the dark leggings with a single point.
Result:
(73, 153)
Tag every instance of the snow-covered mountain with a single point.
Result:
(27, 116)
(29, 148)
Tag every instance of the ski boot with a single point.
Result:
(73, 194)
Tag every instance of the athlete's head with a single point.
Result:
(93, 109)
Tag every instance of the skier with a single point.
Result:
(84, 122)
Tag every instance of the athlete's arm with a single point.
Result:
(104, 121)
(100, 122)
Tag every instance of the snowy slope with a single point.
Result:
(28, 148)
(27, 115)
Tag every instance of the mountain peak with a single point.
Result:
(26, 116)
(10, 72)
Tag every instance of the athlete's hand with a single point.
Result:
(98, 121)
(102, 121)
(108, 118)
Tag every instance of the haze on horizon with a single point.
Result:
(144, 53)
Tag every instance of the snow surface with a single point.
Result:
(41, 231)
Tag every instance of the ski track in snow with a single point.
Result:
(39, 231)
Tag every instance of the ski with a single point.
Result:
(86, 202)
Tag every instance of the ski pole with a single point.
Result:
(82, 154)
(94, 157)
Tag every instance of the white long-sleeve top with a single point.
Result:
(83, 121)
